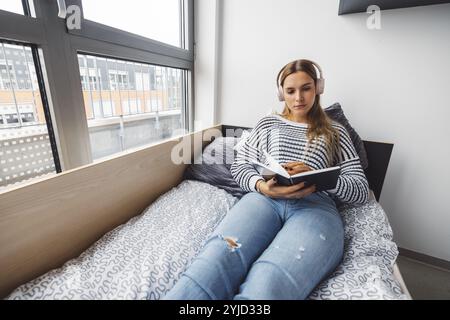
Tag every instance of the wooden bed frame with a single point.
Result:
(47, 222)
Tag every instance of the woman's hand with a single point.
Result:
(271, 189)
(296, 167)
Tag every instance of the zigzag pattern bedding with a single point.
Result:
(143, 258)
(366, 270)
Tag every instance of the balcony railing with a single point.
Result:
(24, 154)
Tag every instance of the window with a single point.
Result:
(154, 19)
(118, 79)
(130, 84)
(25, 147)
(127, 109)
(12, 6)
(17, 6)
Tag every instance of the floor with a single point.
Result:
(424, 282)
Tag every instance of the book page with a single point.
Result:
(263, 170)
(275, 166)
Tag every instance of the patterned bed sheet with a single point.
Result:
(143, 258)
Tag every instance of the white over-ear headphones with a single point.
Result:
(320, 83)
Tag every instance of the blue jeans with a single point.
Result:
(266, 249)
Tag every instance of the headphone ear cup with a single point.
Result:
(320, 86)
(280, 93)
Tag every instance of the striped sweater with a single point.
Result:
(285, 141)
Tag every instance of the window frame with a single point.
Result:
(59, 55)
(107, 36)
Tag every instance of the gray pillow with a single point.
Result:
(336, 113)
(213, 166)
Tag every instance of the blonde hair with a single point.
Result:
(319, 124)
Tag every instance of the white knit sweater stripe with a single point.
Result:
(286, 141)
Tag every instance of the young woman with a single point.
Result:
(280, 242)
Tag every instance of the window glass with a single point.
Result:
(137, 104)
(12, 6)
(25, 149)
(155, 19)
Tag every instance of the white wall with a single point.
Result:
(393, 84)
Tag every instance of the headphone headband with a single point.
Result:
(320, 83)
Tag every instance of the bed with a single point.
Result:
(141, 255)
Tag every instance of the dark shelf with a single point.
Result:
(355, 6)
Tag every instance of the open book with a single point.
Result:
(324, 179)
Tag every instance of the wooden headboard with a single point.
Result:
(378, 154)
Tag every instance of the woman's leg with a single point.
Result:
(223, 263)
(307, 249)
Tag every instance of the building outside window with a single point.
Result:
(112, 108)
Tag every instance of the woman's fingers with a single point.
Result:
(295, 187)
(271, 182)
(286, 190)
(292, 164)
(300, 166)
(296, 167)
(303, 192)
(291, 192)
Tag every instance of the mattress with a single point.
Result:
(143, 258)
(367, 268)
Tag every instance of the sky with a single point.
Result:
(12, 5)
(154, 19)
